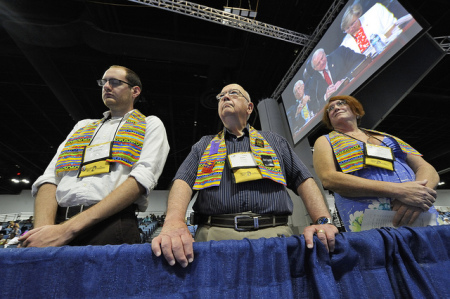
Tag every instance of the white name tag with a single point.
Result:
(378, 151)
(241, 160)
(97, 152)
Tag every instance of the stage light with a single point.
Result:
(240, 11)
(17, 181)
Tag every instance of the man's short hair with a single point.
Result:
(320, 50)
(131, 78)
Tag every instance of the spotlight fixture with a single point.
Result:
(17, 181)
(248, 13)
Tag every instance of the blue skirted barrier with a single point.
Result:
(380, 263)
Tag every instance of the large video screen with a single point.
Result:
(364, 36)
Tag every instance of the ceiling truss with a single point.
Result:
(228, 19)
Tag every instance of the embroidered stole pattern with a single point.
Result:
(126, 148)
(210, 179)
(350, 155)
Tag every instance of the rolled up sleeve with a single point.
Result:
(155, 150)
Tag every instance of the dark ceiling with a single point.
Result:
(53, 51)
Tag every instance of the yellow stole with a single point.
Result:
(126, 148)
(350, 155)
(212, 162)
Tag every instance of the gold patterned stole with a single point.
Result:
(126, 147)
(350, 155)
(212, 162)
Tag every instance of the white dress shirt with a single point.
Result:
(89, 190)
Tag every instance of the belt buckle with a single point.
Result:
(255, 222)
(81, 208)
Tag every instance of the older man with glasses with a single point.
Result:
(331, 72)
(241, 175)
(102, 173)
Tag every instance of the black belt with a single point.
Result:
(241, 222)
(65, 213)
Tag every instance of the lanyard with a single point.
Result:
(115, 133)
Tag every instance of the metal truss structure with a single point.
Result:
(323, 25)
(228, 19)
(243, 23)
(444, 43)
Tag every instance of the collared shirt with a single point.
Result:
(89, 190)
(260, 196)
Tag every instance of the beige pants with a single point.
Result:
(207, 233)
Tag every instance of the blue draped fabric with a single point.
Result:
(380, 263)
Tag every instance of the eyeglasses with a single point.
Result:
(337, 104)
(112, 81)
(232, 93)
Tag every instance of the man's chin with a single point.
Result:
(227, 111)
(109, 101)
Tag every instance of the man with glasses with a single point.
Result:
(331, 71)
(102, 173)
(303, 112)
(241, 175)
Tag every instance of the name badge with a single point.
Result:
(101, 151)
(379, 156)
(94, 168)
(246, 174)
(241, 160)
(379, 151)
(94, 159)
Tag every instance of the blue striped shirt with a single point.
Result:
(261, 196)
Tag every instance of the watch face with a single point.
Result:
(323, 220)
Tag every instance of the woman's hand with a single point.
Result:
(416, 194)
(406, 214)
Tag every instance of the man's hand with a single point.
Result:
(325, 232)
(406, 214)
(417, 194)
(332, 88)
(299, 109)
(175, 241)
(45, 236)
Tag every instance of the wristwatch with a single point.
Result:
(324, 220)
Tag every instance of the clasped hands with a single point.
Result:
(415, 198)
